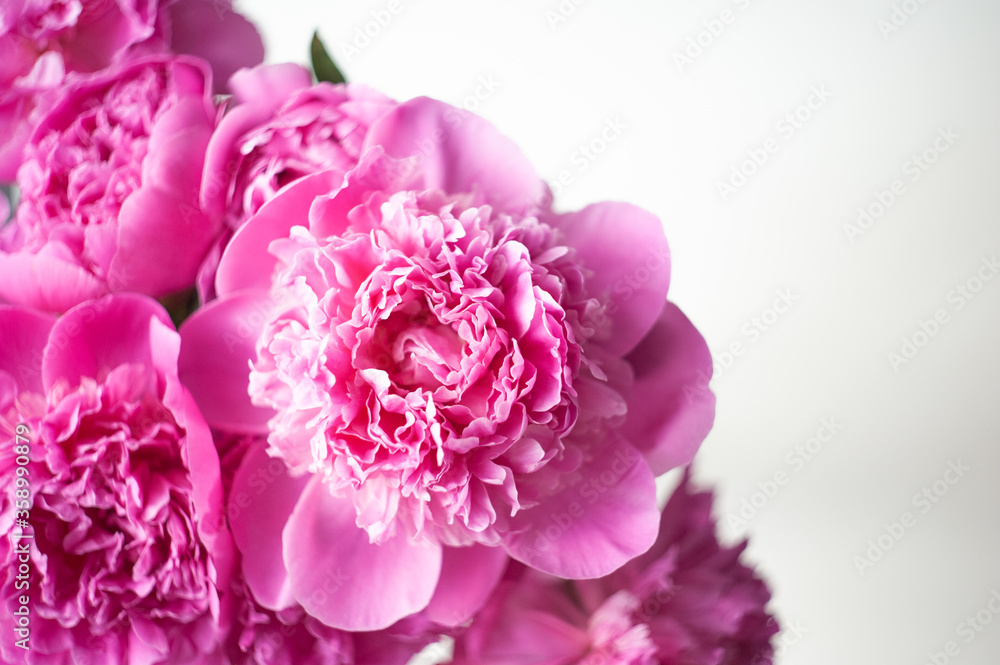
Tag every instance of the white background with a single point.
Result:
(555, 85)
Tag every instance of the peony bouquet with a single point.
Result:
(293, 372)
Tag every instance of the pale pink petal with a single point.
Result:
(97, 336)
(537, 638)
(217, 344)
(211, 30)
(269, 85)
(459, 152)
(591, 527)
(162, 240)
(344, 580)
(528, 621)
(671, 408)
(24, 333)
(261, 500)
(246, 262)
(46, 282)
(178, 138)
(625, 248)
(468, 575)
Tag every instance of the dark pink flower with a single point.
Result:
(123, 496)
(452, 372)
(45, 43)
(282, 128)
(687, 601)
(109, 189)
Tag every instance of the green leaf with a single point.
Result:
(323, 64)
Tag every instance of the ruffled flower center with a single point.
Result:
(78, 176)
(426, 363)
(317, 128)
(616, 637)
(114, 518)
(45, 20)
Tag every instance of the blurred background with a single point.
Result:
(827, 176)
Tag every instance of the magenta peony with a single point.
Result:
(44, 43)
(452, 373)
(123, 495)
(109, 189)
(687, 601)
(282, 128)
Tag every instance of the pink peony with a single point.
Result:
(109, 189)
(451, 372)
(283, 128)
(44, 43)
(124, 496)
(687, 601)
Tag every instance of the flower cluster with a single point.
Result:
(408, 397)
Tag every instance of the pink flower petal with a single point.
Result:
(330, 214)
(179, 136)
(269, 85)
(24, 333)
(468, 576)
(262, 498)
(671, 409)
(222, 159)
(591, 527)
(217, 344)
(246, 262)
(46, 282)
(161, 243)
(97, 336)
(344, 580)
(627, 251)
(460, 152)
(202, 460)
(528, 621)
(211, 30)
